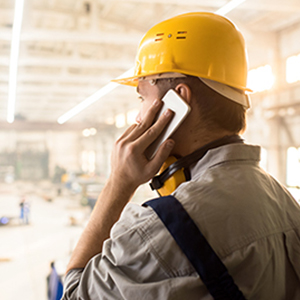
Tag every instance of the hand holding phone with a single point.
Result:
(174, 102)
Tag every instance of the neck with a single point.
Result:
(188, 143)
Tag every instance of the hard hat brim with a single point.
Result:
(134, 80)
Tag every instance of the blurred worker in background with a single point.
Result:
(24, 210)
(237, 230)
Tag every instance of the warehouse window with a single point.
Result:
(261, 79)
(263, 158)
(293, 172)
(293, 69)
(293, 167)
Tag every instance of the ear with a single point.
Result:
(184, 91)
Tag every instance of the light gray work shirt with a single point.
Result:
(249, 219)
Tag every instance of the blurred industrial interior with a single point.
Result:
(53, 164)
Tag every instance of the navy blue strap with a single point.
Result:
(187, 235)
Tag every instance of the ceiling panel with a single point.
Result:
(69, 49)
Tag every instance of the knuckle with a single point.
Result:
(130, 150)
(120, 143)
(116, 144)
(142, 126)
(151, 131)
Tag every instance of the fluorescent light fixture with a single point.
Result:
(229, 7)
(14, 56)
(92, 99)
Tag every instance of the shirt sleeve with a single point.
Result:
(134, 264)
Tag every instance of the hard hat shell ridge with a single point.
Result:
(200, 44)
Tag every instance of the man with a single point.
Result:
(249, 220)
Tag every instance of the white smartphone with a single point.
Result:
(174, 102)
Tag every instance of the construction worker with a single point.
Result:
(228, 230)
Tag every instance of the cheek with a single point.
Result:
(145, 105)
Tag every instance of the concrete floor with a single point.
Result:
(26, 251)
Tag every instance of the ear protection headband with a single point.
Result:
(174, 172)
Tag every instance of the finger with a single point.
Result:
(162, 154)
(127, 132)
(147, 121)
(154, 131)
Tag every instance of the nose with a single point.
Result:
(138, 118)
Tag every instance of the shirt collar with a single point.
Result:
(226, 153)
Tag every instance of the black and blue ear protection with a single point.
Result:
(174, 172)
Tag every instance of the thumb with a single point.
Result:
(162, 154)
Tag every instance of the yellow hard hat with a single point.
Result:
(200, 44)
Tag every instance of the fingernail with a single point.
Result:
(170, 144)
(156, 102)
(167, 113)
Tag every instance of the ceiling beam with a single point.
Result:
(56, 62)
(203, 3)
(258, 5)
(61, 78)
(52, 89)
(271, 6)
(68, 36)
(107, 8)
(20, 125)
(77, 92)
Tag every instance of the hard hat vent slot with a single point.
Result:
(181, 35)
(159, 37)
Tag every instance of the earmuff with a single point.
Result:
(170, 176)
(174, 172)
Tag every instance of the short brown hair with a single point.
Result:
(216, 111)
